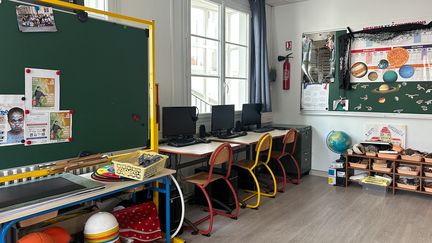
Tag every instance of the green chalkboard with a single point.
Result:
(104, 79)
(362, 97)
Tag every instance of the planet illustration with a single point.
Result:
(383, 64)
(373, 76)
(381, 100)
(359, 69)
(385, 89)
(396, 98)
(406, 71)
(398, 56)
(390, 76)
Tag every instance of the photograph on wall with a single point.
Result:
(402, 59)
(11, 120)
(341, 105)
(391, 133)
(60, 126)
(42, 89)
(37, 128)
(318, 57)
(315, 97)
(35, 19)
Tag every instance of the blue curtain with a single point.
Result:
(259, 69)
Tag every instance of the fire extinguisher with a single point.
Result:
(286, 71)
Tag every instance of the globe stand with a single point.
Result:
(341, 159)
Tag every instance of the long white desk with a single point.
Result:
(9, 218)
(251, 137)
(200, 149)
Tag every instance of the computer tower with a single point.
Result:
(175, 208)
(217, 190)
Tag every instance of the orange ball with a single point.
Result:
(36, 238)
(58, 234)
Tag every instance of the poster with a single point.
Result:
(37, 128)
(315, 97)
(11, 119)
(395, 134)
(35, 19)
(42, 89)
(404, 59)
(60, 126)
(341, 105)
(318, 57)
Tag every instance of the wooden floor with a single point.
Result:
(316, 212)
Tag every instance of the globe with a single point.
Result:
(338, 141)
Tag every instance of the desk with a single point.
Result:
(196, 150)
(251, 137)
(7, 220)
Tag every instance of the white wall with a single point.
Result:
(291, 20)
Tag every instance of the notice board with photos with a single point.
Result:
(104, 80)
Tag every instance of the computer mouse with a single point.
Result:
(206, 140)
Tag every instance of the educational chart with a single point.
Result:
(402, 59)
(11, 119)
(315, 97)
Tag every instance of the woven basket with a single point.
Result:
(358, 165)
(412, 158)
(405, 186)
(124, 165)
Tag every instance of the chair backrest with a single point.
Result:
(221, 155)
(290, 138)
(263, 145)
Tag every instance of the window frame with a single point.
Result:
(222, 45)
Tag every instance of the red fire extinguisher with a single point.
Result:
(286, 71)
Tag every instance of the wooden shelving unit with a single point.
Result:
(393, 173)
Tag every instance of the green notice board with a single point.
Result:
(412, 97)
(104, 78)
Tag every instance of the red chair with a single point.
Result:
(289, 138)
(222, 154)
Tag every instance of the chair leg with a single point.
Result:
(274, 183)
(298, 168)
(257, 193)
(210, 216)
(284, 175)
(234, 216)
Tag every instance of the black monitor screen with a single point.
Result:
(222, 117)
(179, 121)
(251, 114)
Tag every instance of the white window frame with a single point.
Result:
(222, 5)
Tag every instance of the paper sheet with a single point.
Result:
(11, 119)
(315, 97)
(42, 89)
(48, 127)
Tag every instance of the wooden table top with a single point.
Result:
(200, 149)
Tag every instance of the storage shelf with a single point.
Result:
(395, 163)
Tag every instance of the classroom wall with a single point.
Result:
(291, 20)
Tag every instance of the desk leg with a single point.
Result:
(5, 229)
(167, 209)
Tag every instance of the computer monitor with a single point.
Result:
(222, 118)
(251, 114)
(179, 121)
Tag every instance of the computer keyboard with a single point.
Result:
(264, 129)
(232, 135)
(183, 142)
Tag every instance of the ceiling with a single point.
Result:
(282, 2)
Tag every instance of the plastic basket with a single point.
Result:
(126, 165)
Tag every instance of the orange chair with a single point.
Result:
(264, 146)
(222, 154)
(289, 138)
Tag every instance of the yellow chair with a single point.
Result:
(264, 146)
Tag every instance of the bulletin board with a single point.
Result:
(104, 79)
(394, 76)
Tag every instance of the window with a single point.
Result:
(219, 56)
(97, 4)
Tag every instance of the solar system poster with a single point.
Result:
(403, 59)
